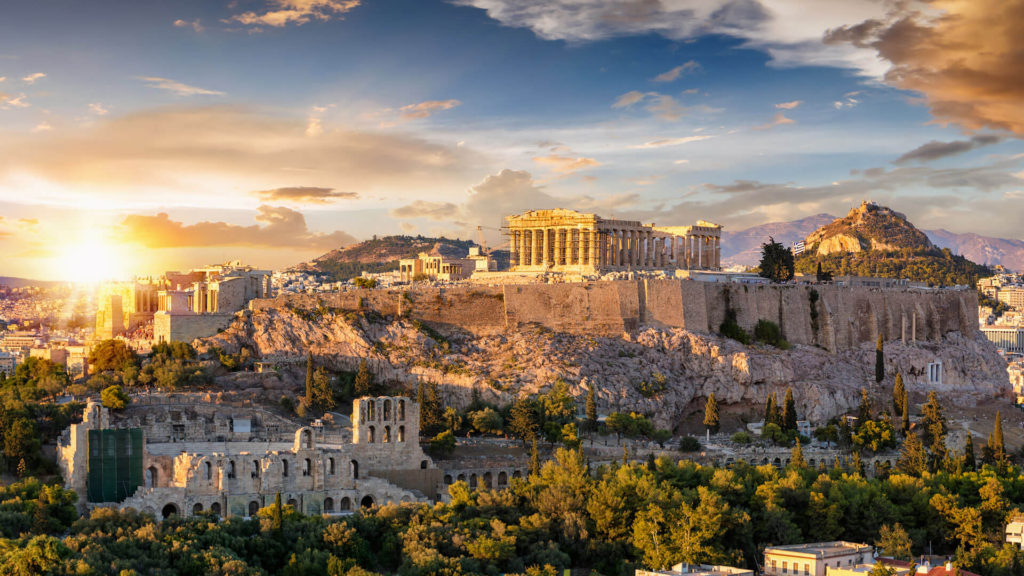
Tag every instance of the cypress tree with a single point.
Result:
(276, 517)
(789, 411)
(995, 441)
(309, 377)
(591, 407)
(905, 417)
(970, 462)
(856, 464)
(711, 413)
(879, 361)
(934, 425)
(534, 458)
(899, 393)
(769, 409)
(864, 410)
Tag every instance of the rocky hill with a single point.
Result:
(382, 254)
(873, 240)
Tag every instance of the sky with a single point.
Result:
(137, 137)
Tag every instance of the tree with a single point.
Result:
(905, 418)
(430, 406)
(309, 376)
(322, 392)
(276, 515)
(443, 444)
(112, 355)
(796, 458)
(821, 275)
(864, 409)
(114, 398)
(894, 541)
(534, 458)
(21, 442)
(899, 393)
(771, 411)
(452, 419)
(591, 407)
(487, 421)
(995, 450)
(524, 420)
(934, 424)
(711, 414)
(364, 381)
(913, 459)
(776, 261)
(879, 360)
(970, 462)
(789, 412)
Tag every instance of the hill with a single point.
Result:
(873, 240)
(382, 254)
(14, 282)
(986, 250)
(743, 248)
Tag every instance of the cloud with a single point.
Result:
(280, 13)
(177, 87)
(963, 56)
(195, 25)
(304, 194)
(848, 101)
(425, 109)
(789, 105)
(934, 150)
(281, 228)
(314, 126)
(43, 126)
(785, 29)
(3, 78)
(565, 164)
(407, 227)
(659, 105)
(671, 142)
(628, 99)
(778, 120)
(98, 109)
(8, 101)
(217, 155)
(676, 72)
(428, 210)
(31, 78)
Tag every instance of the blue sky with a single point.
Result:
(276, 129)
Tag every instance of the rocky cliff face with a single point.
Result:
(658, 371)
(867, 227)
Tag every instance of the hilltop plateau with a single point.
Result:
(382, 254)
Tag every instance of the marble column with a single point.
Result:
(592, 256)
(718, 252)
(649, 249)
(524, 255)
(559, 255)
(617, 246)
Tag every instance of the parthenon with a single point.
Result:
(570, 241)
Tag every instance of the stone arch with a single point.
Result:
(387, 409)
(387, 434)
(812, 463)
(307, 467)
(366, 502)
(197, 509)
(152, 477)
(329, 505)
(517, 474)
(447, 478)
(487, 480)
(355, 470)
(293, 502)
(777, 463)
(373, 432)
(406, 499)
(345, 505)
(401, 433)
(330, 466)
(423, 464)
(215, 508)
(401, 409)
(502, 478)
(303, 439)
(254, 508)
(764, 461)
(461, 478)
(472, 482)
(169, 509)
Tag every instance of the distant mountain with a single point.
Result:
(982, 249)
(743, 248)
(382, 254)
(20, 282)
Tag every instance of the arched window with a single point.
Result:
(254, 508)
(487, 480)
(472, 481)
(502, 478)
(423, 464)
(169, 510)
(366, 502)
(209, 471)
(447, 478)
(231, 469)
(285, 464)
(387, 434)
(328, 505)
(371, 410)
(330, 466)
(307, 467)
(255, 468)
(345, 504)
(401, 433)
(355, 469)
(401, 409)
(215, 508)
(151, 476)
(373, 432)
(387, 409)
(307, 439)
(197, 509)
(293, 502)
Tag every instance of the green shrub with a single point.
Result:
(742, 438)
(768, 332)
(689, 444)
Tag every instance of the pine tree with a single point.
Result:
(796, 458)
(970, 462)
(898, 394)
(913, 459)
(591, 407)
(309, 377)
(769, 409)
(364, 381)
(276, 516)
(789, 411)
(879, 361)
(711, 414)
(534, 458)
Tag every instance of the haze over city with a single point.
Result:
(138, 137)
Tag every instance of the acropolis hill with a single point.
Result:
(621, 336)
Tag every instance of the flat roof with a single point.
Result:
(820, 548)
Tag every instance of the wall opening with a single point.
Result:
(169, 510)
(366, 502)
(254, 508)
(328, 505)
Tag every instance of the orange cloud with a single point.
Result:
(425, 109)
(305, 194)
(283, 12)
(565, 164)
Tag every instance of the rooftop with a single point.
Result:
(820, 548)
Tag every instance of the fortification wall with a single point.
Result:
(833, 317)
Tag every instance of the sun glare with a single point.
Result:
(91, 260)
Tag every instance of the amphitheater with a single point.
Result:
(174, 455)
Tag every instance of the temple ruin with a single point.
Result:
(569, 241)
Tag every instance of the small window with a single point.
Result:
(330, 466)
(209, 471)
(285, 464)
(306, 467)
(255, 468)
